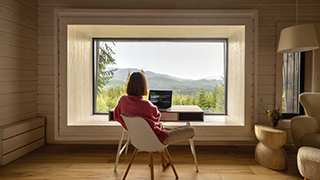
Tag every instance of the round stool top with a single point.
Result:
(270, 136)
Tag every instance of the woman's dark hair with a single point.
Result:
(137, 85)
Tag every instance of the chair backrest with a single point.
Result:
(311, 104)
(142, 136)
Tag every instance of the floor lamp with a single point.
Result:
(299, 38)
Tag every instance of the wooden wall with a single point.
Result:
(270, 12)
(18, 60)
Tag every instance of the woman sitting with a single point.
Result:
(133, 104)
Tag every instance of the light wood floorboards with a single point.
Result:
(96, 162)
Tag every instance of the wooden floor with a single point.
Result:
(82, 162)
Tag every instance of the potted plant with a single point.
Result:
(274, 115)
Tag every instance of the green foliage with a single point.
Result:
(201, 101)
(209, 102)
(220, 97)
(105, 59)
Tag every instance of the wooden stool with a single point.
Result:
(269, 151)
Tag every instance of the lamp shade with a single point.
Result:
(298, 38)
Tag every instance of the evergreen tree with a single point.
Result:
(220, 99)
(210, 100)
(193, 100)
(201, 101)
(105, 58)
(176, 98)
(127, 80)
(101, 105)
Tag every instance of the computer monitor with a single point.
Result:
(161, 98)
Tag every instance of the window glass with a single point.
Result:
(195, 69)
(293, 67)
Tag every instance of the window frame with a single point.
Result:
(95, 53)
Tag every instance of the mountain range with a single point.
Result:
(162, 81)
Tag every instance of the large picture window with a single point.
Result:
(194, 68)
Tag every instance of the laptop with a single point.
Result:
(161, 98)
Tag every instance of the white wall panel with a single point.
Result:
(270, 12)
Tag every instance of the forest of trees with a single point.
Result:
(209, 102)
(107, 99)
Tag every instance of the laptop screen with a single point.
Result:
(161, 98)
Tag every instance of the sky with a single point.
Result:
(186, 60)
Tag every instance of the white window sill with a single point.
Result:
(209, 120)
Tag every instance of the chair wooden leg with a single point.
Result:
(172, 166)
(151, 165)
(129, 165)
(305, 179)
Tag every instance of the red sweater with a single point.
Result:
(138, 106)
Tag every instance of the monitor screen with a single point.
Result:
(161, 98)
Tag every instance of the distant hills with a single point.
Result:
(162, 81)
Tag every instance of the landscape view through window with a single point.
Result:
(194, 69)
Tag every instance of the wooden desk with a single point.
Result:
(177, 113)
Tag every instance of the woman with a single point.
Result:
(133, 104)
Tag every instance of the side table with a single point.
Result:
(269, 151)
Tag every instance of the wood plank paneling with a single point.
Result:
(17, 98)
(267, 60)
(14, 75)
(267, 70)
(21, 108)
(45, 50)
(17, 29)
(267, 40)
(46, 60)
(13, 16)
(46, 109)
(24, 139)
(263, 90)
(45, 41)
(31, 3)
(17, 52)
(15, 129)
(18, 117)
(17, 64)
(45, 30)
(270, 12)
(45, 20)
(46, 79)
(267, 50)
(266, 80)
(21, 8)
(45, 89)
(14, 40)
(45, 70)
(24, 150)
(45, 99)
(18, 87)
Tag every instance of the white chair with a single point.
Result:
(121, 149)
(144, 139)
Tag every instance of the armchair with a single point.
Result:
(306, 128)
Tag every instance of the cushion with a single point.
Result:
(311, 139)
(309, 162)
